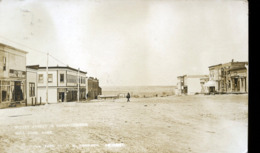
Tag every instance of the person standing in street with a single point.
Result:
(128, 97)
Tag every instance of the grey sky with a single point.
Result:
(128, 42)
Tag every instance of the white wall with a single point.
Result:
(194, 85)
(52, 95)
(54, 78)
(15, 60)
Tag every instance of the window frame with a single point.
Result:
(50, 79)
(39, 78)
(63, 80)
(31, 89)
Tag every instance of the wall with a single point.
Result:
(54, 78)
(194, 85)
(31, 77)
(52, 94)
(14, 60)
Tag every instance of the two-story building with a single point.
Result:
(93, 88)
(12, 76)
(229, 77)
(62, 84)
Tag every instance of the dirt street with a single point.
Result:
(178, 124)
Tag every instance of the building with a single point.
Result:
(190, 84)
(93, 88)
(203, 81)
(62, 84)
(180, 89)
(31, 85)
(12, 76)
(231, 77)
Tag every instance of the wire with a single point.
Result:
(57, 60)
(32, 49)
(35, 50)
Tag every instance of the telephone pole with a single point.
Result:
(47, 78)
(78, 84)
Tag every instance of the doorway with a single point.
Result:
(236, 85)
(18, 93)
(61, 96)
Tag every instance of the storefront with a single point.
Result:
(71, 94)
(12, 91)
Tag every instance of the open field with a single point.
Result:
(178, 124)
(140, 91)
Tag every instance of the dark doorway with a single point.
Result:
(18, 93)
(185, 90)
(61, 96)
(211, 90)
(237, 84)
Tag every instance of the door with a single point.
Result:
(18, 93)
(61, 96)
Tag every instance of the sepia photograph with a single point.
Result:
(124, 76)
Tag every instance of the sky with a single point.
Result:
(128, 42)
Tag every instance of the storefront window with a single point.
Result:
(0, 91)
(5, 91)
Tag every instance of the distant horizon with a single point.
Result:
(138, 85)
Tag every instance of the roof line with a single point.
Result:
(13, 48)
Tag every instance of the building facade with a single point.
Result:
(12, 76)
(31, 86)
(231, 77)
(93, 88)
(62, 84)
(190, 84)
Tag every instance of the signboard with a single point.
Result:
(17, 74)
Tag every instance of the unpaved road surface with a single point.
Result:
(178, 124)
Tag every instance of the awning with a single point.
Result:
(210, 84)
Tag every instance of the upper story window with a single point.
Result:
(50, 78)
(71, 78)
(40, 79)
(4, 64)
(61, 77)
(83, 80)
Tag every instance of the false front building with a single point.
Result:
(62, 84)
(93, 88)
(12, 76)
(231, 77)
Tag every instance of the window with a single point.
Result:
(61, 77)
(83, 81)
(50, 78)
(31, 89)
(4, 64)
(40, 80)
(5, 91)
(71, 79)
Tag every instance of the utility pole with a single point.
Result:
(47, 78)
(78, 84)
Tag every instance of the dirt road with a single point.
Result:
(178, 124)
